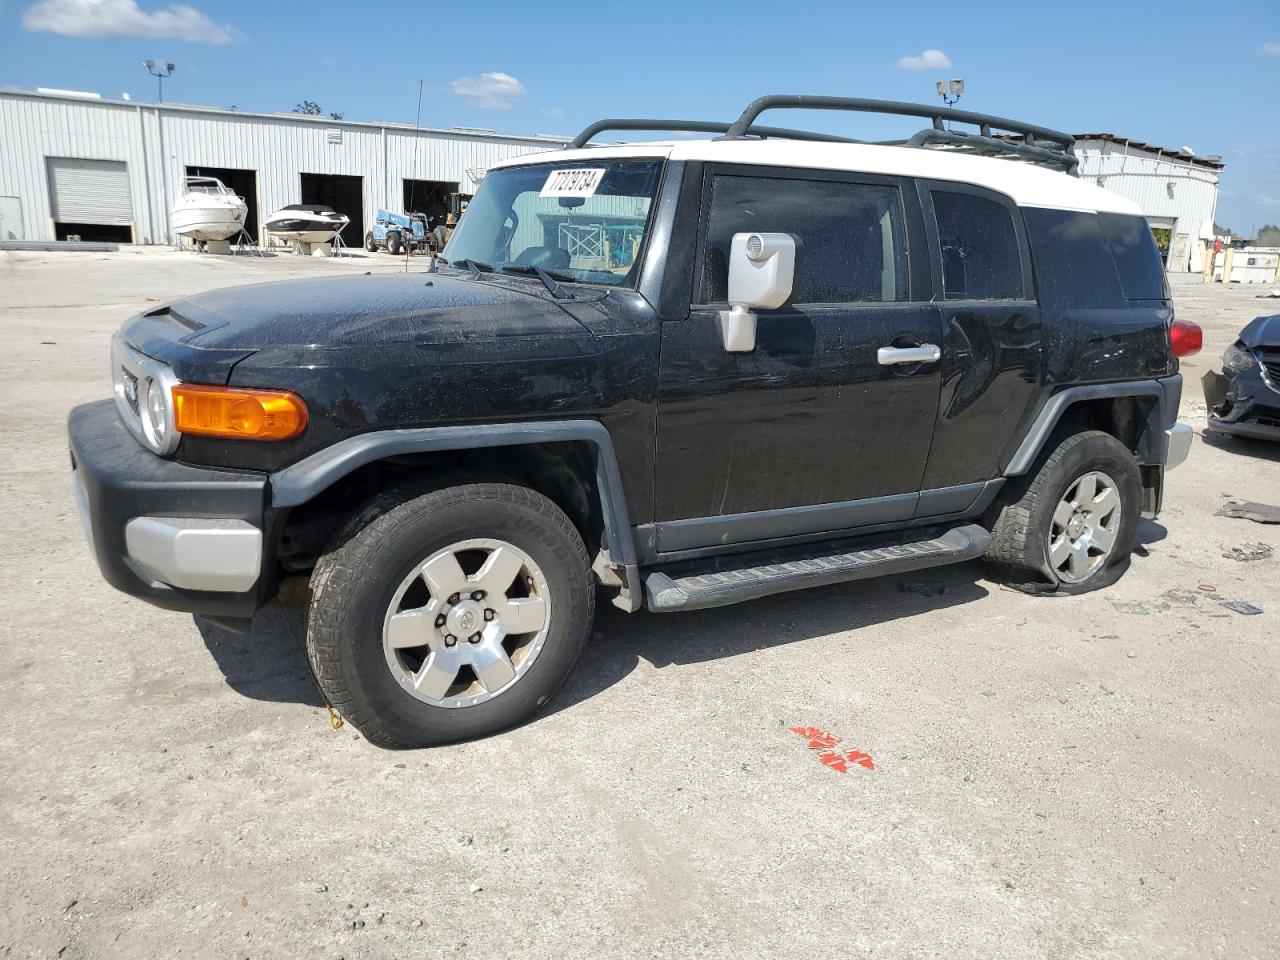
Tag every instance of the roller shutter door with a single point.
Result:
(90, 191)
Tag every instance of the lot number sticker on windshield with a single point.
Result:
(579, 182)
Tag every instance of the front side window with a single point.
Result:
(582, 222)
(980, 258)
(852, 243)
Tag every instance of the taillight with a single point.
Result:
(1185, 338)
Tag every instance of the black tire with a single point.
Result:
(441, 238)
(356, 579)
(393, 243)
(370, 244)
(1022, 525)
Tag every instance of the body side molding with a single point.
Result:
(1153, 446)
(298, 483)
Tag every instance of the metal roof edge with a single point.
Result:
(83, 98)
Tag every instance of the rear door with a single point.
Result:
(811, 431)
(991, 347)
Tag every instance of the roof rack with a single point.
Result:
(995, 136)
(699, 126)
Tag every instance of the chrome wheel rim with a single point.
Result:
(1085, 525)
(467, 623)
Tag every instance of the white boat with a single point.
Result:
(207, 210)
(305, 223)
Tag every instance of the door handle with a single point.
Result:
(925, 353)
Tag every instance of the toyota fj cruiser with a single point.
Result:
(690, 373)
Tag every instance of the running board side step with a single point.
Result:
(698, 591)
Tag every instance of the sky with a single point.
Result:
(1173, 73)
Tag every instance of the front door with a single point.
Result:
(812, 431)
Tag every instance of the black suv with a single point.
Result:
(689, 373)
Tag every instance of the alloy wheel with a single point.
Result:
(1084, 528)
(467, 623)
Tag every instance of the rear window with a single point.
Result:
(1137, 257)
(980, 259)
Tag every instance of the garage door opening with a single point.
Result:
(430, 197)
(340, 193)
(245, 185)
(90, 200)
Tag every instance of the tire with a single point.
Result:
(370, 244)
(441, 238)
(363, 662)
(393, 244)
(1041, 543)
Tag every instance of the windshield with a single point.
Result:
(582, 222)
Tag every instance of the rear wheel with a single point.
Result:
(393, 243)
(450, 615)
(1070, 527)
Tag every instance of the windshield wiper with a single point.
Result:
(548, 278)
(475, 266)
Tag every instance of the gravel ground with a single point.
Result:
(1085, 777)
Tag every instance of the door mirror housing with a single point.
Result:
(762, 269)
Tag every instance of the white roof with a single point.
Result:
(1026, 184)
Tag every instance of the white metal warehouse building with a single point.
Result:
(79, 165)
(1177, 190)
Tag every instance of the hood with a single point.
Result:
(382, 310)
(1262, 332)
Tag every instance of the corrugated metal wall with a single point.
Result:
(159, 143)
(1167, 190)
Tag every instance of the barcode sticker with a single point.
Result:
(578, 182)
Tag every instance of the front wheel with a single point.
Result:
(370, 244)
(393, 243)
(1070, 527)
(450, 615)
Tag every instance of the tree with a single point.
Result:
(1269, 236)
(1221, 231)
(310, 108)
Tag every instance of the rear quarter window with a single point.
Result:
(1137, 257)
(1075, 268)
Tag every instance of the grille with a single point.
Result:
(1267, 416)
(1272, 368)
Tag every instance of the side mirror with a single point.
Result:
(762, 269)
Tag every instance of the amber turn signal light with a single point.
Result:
(238, 413)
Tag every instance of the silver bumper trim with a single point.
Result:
(82, 507)
(196, 554)
(1180, 435)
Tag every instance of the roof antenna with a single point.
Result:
(417, 125)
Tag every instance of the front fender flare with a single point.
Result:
(300, 482)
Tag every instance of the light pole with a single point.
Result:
(950, 91)
(159, 71)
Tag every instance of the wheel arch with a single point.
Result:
(1137, 413)
(571, 462)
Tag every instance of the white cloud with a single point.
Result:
(1271, 49)
(929, 60)
(491, 91)
(123, 18)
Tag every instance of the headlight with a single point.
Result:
(1237, 359)
(156, 413)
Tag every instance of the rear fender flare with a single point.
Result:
(1153, 444)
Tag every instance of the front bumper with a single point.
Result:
(180, 537)
(1244, 405)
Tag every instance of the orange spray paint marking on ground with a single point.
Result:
(830, 757)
